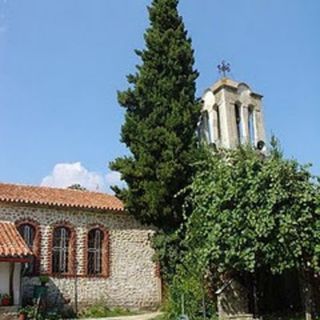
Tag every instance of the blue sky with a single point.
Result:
(61, 63)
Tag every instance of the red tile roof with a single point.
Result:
(11, 243)
(65, 198)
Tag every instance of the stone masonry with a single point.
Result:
(132, 279)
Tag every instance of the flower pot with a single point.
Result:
(5, 302)
(22, 316)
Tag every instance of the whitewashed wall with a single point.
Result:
(4, 280)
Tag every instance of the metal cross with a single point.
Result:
(224, 68)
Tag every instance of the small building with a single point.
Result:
(91, 250)
(13, 253)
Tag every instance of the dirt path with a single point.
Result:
(146, 316)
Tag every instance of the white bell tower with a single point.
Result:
(232, 115)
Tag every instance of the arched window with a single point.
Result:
(97, 252)
(61, 250)
(95, 241)
(251, 125)
(217, 124)
(205, 127)
(238, 122)
(28, 233)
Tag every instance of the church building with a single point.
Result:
(83, 244)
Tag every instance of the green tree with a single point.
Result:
(252, 212)
(160, 121)
(77, 186)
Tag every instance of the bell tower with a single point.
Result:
(232, 115)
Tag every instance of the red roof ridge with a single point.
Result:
(64, 197)
(50, 188)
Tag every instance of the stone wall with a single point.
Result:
(132, 280)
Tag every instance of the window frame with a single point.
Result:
(71, 258)
(105, 256)
(36, 245)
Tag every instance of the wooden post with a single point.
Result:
(11, 276)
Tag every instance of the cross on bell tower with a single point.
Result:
(224, 68)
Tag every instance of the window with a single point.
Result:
(238, 122)
(217, 124)
(60, 250)
(28, 233)
(96, 255)
(251, 125)
(206, 134)
(95, 242)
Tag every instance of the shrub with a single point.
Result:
(188, 294)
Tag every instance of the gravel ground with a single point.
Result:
(146, 316)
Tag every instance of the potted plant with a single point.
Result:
(6, 300)
(44, 280)
(23, 312)
(27, 312)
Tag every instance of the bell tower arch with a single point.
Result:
(232, 115)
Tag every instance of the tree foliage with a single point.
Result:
(251, 212)
(77, 186)
(160, 121)
(189, 294)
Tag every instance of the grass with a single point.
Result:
(101, 311)
(159, 318)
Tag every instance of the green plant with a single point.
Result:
(23, 310)
(160, 317)
(99, 310)
(252, 212)
(160, 121)
(188, 294)
(52, 316)
(43, 279)
(29, 311)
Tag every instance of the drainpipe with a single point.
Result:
(11, 274)
(76, 288)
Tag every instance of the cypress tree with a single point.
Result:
(160, 121)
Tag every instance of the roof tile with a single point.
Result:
(59, 197)
(12, 244)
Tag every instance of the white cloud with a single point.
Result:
(113, 178)
(66, 174)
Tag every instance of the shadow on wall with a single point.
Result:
(52, 296)
(61, 295)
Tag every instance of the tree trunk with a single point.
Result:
(255, 295)
(307, 294)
